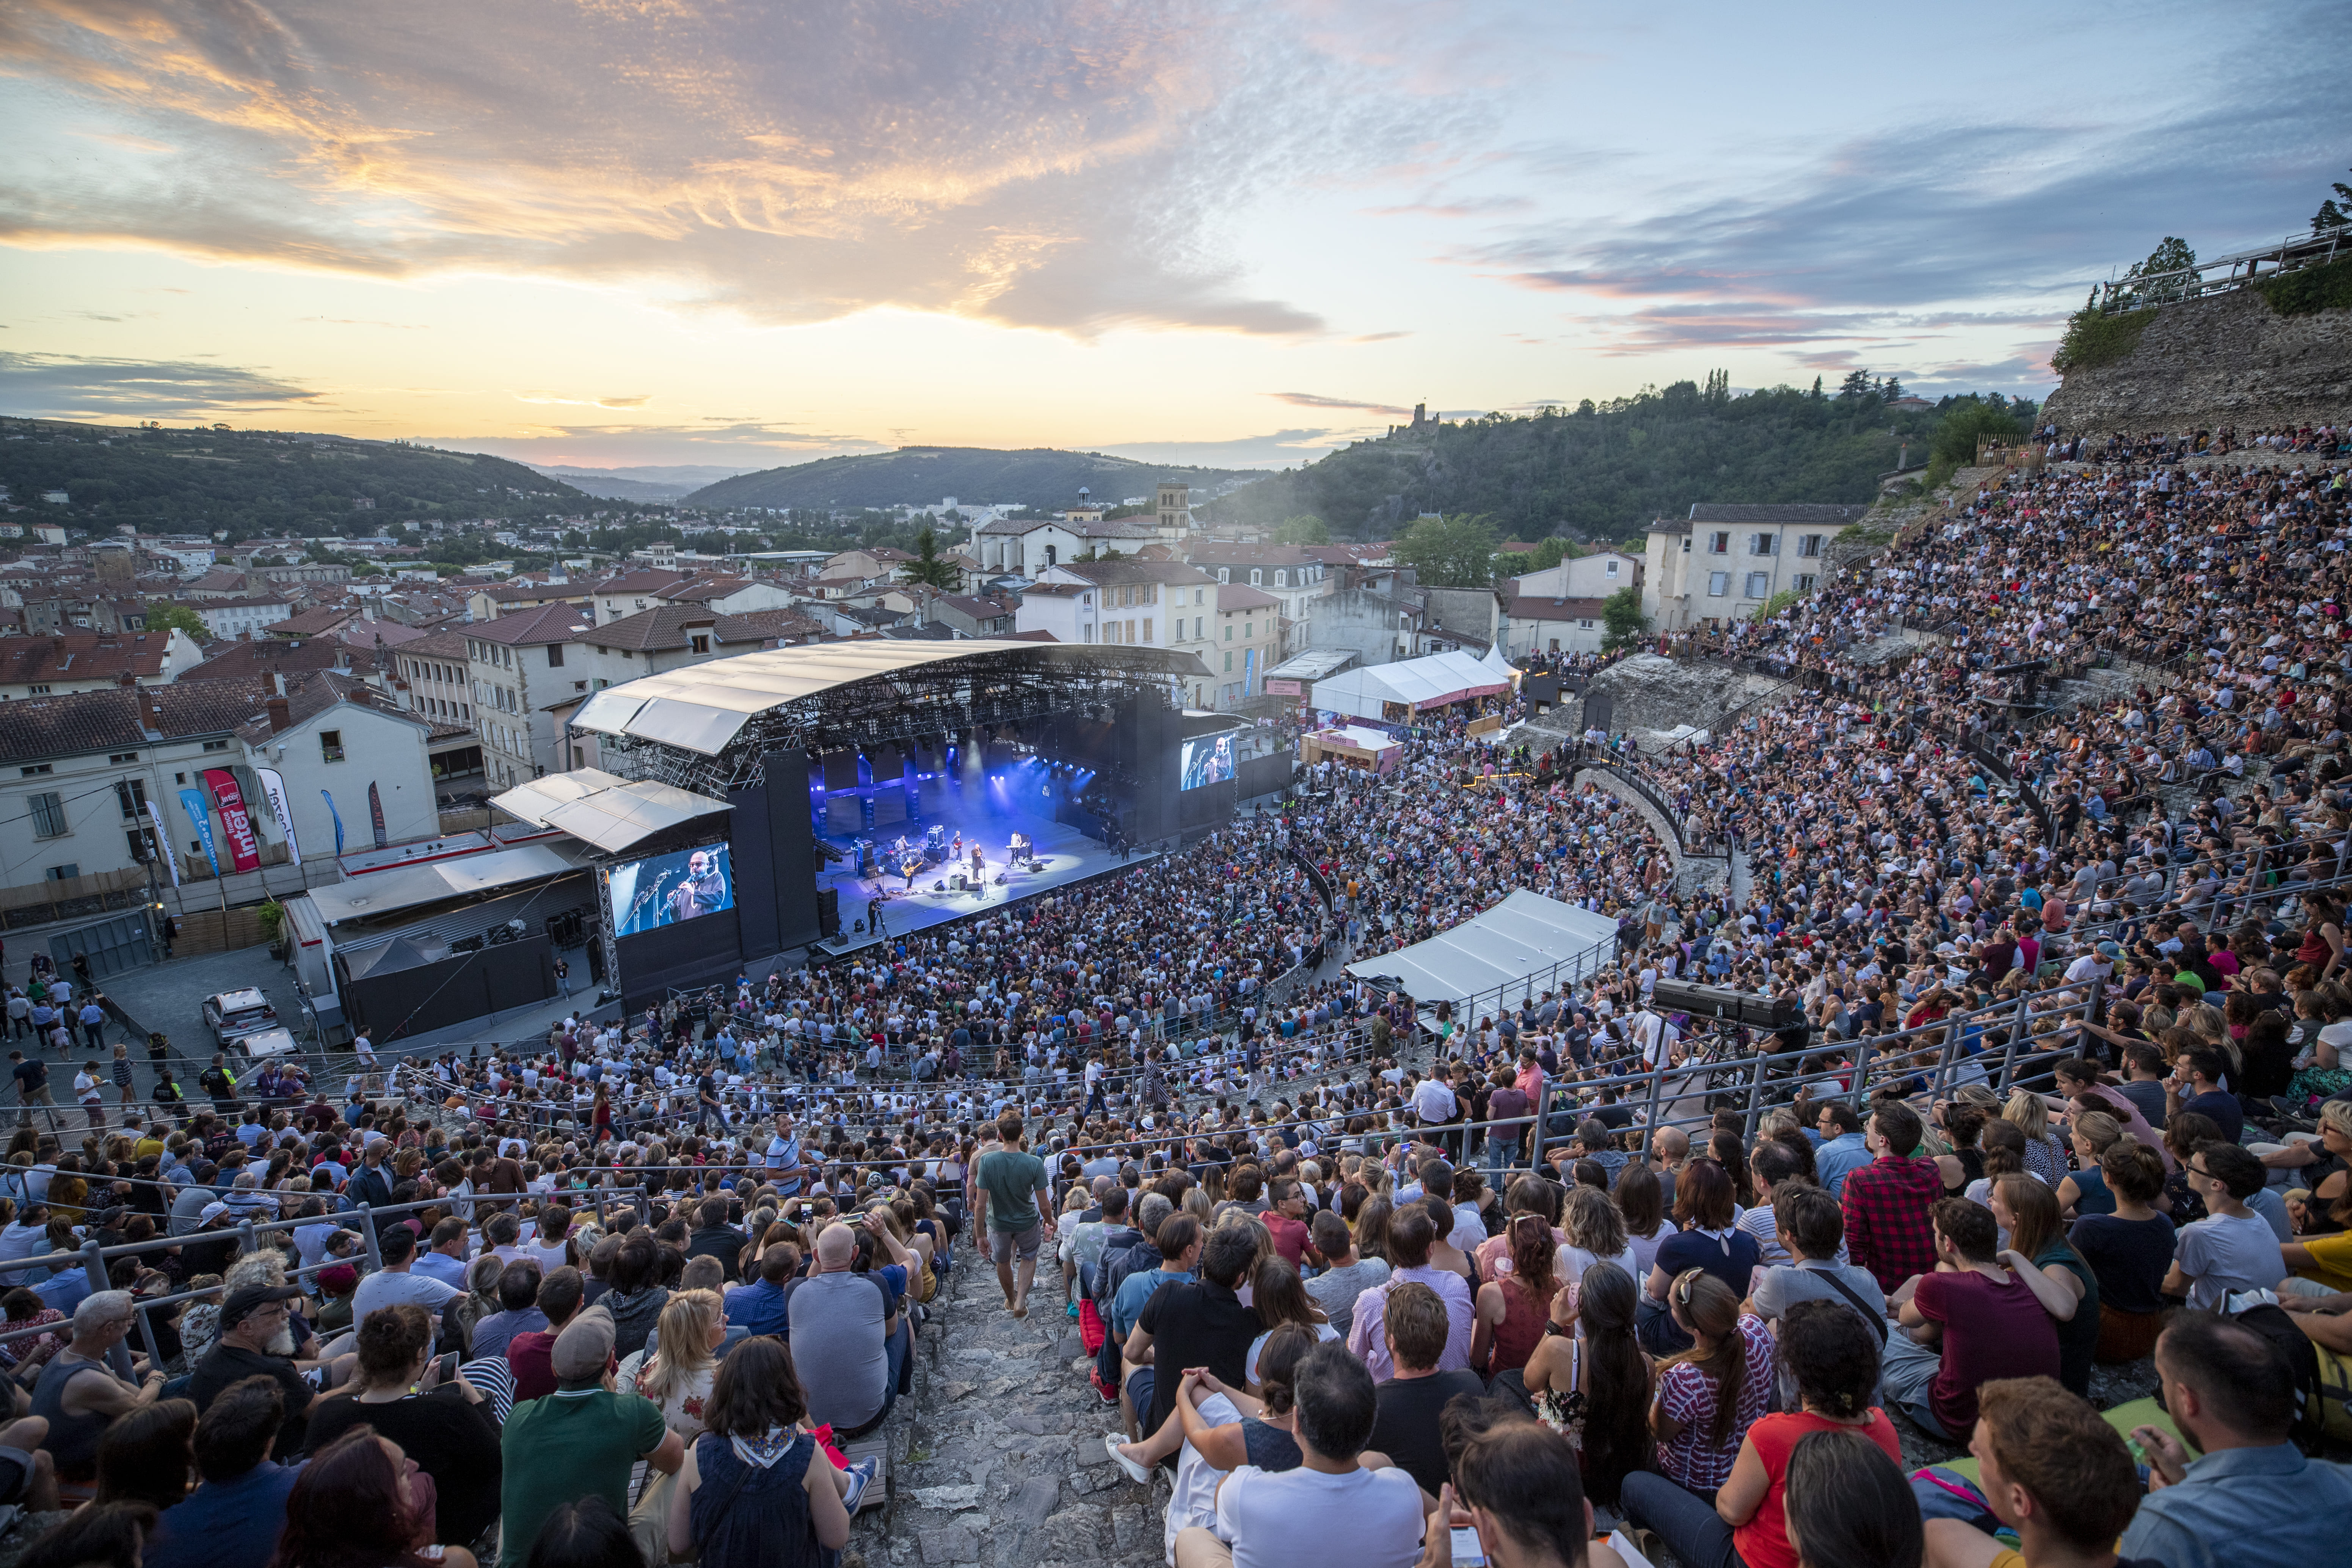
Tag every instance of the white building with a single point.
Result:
(228, 619)
(1594, 576)
(1725, 562)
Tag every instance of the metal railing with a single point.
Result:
(2238, 270)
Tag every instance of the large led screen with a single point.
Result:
(1207, 760)
(664, 890)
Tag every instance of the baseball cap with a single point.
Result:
(584, 1346)
(242, 1303)
(211, 1211)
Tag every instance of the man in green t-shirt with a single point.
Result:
(1010, 1200)
(581, 1439)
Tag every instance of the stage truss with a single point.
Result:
(938, 699)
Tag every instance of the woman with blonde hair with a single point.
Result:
(2043, 1157)
(676, 1373)
(2084, 1189)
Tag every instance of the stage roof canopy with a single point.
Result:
(605, 809)
(700, 707)
(382, 893)
(1525, 945)
(1430, 682)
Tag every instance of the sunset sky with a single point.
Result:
(640, 232)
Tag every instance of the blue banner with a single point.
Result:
(193, 803)
(338, 823)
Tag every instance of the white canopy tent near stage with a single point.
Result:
(1409, 685)
(1524, 946)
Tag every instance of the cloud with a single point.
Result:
(1378, 337)
(72, 386)
(1317, 400)
(741, 444)
(1061, 165)
(357, 321)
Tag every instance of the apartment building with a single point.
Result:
(1725, 562)
(1295, 579)
(517, 667)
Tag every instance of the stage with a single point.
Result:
(1064, 856)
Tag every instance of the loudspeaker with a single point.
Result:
(828, 911)
(1727, 1005)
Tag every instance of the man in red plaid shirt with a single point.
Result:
(1887, 1229)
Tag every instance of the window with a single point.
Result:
(132, 794)
(1229, 634)
(1718, 543)
(1759, 585)
(64, 873)
(1718, 584)
(699, 642)
(1086, 601)
(1586, 625)
(1146, 628)
(1197, 625)
(555, 656)
(124, 757)
(1256, 577)
(34, 771)
(216, 745)
(1200, 595)
(140, 845)
(49, 813)
(1763, 544)
(1280, 580)
(1804, 583)
(1224, 573)
(1086, 632)
(1228, 660)
(37, 691)
(331, 745)
(1249, 630)
(1810, 545)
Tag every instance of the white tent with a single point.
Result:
(1524, 946)
(1413, 683)
(1501, 666)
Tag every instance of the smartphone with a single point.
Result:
(449, 1367)
(1466, 1552)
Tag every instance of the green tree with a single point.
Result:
(1855, 386)
(164, 615)
(2171, 254)
(1621, 613)
(1303, 529)
(1547, 554)
(1455, 552)
(929, 567)
(1966, 424)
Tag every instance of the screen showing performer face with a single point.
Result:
(1207, 760)
(667, 889)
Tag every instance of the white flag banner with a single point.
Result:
(163, 844)
(273, 789)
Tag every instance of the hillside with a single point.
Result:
(1604, 472)
(252, 482)
(1035, 476)
(654, 485)
(2255, 358)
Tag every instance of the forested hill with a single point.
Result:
(1603, 471)
(1039, 476)
(254, 482)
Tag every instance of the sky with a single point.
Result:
(626, 233)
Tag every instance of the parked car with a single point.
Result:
(232, 1015)
(271, 1042)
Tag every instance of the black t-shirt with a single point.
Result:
(1613, 1117)
(1406, 1427)
(451, 1439)
(227, 1363)
(32, 1075)
(1195, 1323)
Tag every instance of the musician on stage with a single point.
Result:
(979, 864)
(909, 867)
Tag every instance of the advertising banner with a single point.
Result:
(192, 801)
(375, 815)
(273, 790)
(338, 823)
(244, 848)
(163, 841)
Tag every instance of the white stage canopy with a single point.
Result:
(1525, 945)
(1430, 682)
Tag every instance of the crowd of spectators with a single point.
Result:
(1363, 1279)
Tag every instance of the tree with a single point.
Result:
(1621, 613)
(1455, 552)
(1892, 390)
(2335, 212)
(1855, 386)
(164, 615)
(2171, 254)
(1303, 529)
(1547, 554)
(929, 567)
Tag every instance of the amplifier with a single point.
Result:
(1727, 1005)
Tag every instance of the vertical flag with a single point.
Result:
(273, 790)
(375, 814)
(244, 848)
(193, 803)
(163, 842)
(338, 823)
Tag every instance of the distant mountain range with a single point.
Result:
(915, 476)
(656, 483)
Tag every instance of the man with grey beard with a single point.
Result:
(256, 1341)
